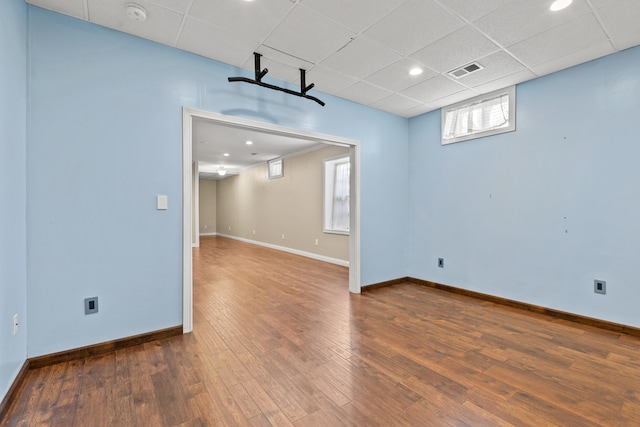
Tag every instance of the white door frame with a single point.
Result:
(188, 114)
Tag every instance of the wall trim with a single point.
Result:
(208, 234)
(379, 285)
(336, 261)
(102, 348)
(13, 390)
(550, 312)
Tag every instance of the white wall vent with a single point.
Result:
(466, 70)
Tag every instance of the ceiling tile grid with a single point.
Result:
(413, 25)
(362, 50)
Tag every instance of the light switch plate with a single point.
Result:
(162, 202)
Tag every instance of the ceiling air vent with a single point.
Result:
(466, 70)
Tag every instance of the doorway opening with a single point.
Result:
(188, 116)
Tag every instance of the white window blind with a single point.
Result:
(336, 195)
(481, 116)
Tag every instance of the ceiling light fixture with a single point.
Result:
(222, 171)
(415, 71)
(559, 5)
(249, 142)
(226, 154)
(136, 12)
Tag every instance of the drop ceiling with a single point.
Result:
(362, 50)
(225, 147)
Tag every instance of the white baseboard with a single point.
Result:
(289, 250)
(208, 234)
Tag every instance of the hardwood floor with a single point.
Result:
(279, 341)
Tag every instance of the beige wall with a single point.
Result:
(253, 207)
(207, 206)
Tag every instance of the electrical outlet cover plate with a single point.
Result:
(91, 305)
(600, 287)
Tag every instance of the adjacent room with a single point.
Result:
(319, 212)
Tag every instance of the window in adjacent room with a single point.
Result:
(336, 195)
(484, 115)
(275, 168)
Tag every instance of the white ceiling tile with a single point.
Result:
(574, 58)
(424, 108)
(196, 37)
(355, 14)
(627, 41)
(396, 76)
(328, 80)
(361, 58)
(456, 49)
(432, 89)
(251, 20)
(161, 25)
(521, 19)
(472, 10)
(501, 83)
(453, 99)
(283, 58)
(413, 25)
(396, 104)
(179, 6)
(364, 93)
(622, 21)
(73, 8)
(496, 65)
(573, 36)
(308, 35)
(600, 3)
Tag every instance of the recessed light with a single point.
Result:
(226, 154)
(249, 142)
(415, 71)
(559, 5)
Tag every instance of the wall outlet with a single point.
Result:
(441, 262)
(600, 287)
(229, 228)
(283, 237)
(254, 232)
(317, 242)
(91, 305)
(15, 324)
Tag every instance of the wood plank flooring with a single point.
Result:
(279, 341)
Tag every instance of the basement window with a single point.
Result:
(484, 115)
(275, 168)
(336, 195)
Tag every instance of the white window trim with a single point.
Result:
(511, 90)
(328, 201)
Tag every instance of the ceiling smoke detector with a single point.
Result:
(136, 12)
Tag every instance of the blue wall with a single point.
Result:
(533, 215)
(13, 166)
(105, 139)
(536, 215)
